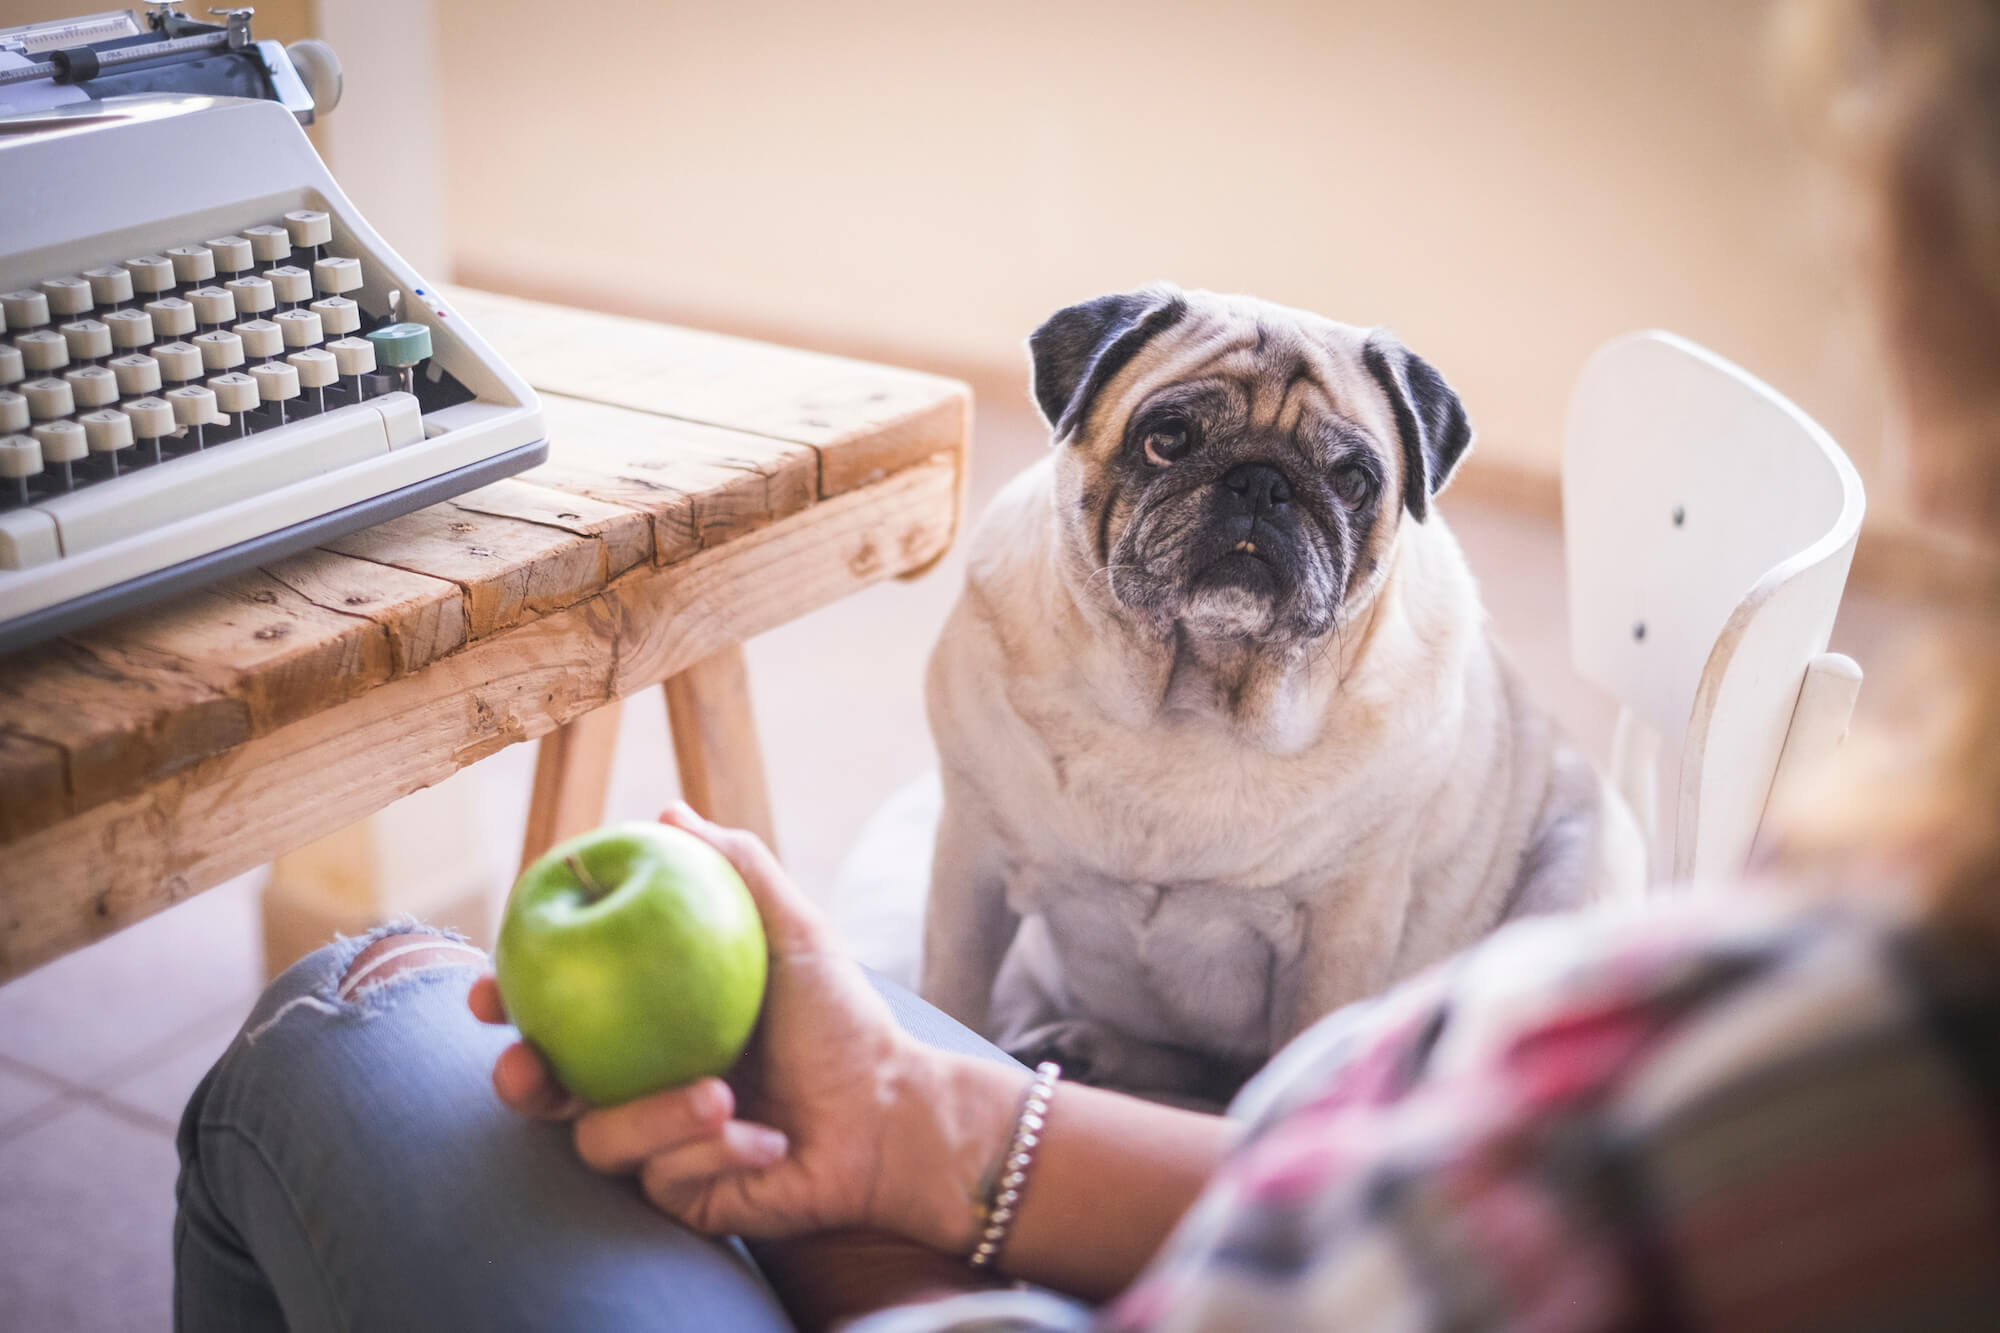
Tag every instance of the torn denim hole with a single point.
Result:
(336, 994)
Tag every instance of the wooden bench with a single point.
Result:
(699, 490)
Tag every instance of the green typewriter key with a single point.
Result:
(401, 347)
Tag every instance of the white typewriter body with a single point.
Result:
(91, 185)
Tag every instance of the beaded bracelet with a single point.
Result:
(996, 1215)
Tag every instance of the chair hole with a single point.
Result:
(1680, 515)
(1639, 632)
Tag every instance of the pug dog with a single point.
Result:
(1224, 740)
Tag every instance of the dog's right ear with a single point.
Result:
(1078, 349)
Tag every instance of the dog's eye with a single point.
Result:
(1165, 443)
(1353, 485)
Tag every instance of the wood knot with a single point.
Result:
(865, 561)
(460, 527)
(266, 596)
(270, 632)
(480, 552)
(570, 517)
(356, 599)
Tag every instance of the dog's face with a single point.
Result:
(1234, 469)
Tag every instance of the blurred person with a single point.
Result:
(1777, 1107)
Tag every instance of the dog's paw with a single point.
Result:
(1077, 1044)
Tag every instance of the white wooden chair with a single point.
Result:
(1708, 526)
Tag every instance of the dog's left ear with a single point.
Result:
(1429, 417)
(1078, 349)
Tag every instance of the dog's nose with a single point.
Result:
(1259, 486)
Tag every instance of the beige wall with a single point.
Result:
(1506, 184)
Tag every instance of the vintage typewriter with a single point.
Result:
(207, 358)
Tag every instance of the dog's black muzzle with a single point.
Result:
(1251, 537)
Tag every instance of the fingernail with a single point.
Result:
(768, 1146)
(711, 1100)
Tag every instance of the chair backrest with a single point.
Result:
(1708, 526)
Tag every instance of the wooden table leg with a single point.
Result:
(572, 772)
(420, 857)
(715, 743)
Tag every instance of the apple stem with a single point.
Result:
(590, 886)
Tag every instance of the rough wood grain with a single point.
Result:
(108, 866)
(508, 570)
(701, 484)
(121, 716)
(625, 533)
(33, 790)
(255, 638)
(865, 420)
(424, 617)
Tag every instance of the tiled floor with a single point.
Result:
(99, 1050)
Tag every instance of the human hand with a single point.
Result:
(833, 1118)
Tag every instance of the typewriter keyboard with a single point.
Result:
(142, 393)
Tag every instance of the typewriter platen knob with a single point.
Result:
(319, 69)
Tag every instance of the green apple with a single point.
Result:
(633, 959)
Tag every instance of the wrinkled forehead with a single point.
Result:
(1288, 369)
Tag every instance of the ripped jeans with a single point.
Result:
(347, 1166)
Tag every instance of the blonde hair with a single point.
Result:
(1904, 96)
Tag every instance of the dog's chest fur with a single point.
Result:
(1175, 868)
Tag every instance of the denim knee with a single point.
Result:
(321, 981)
